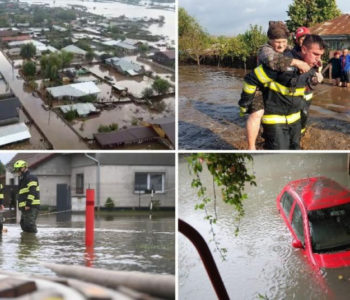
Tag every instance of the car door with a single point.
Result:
(297, 223)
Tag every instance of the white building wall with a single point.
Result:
(117, 182)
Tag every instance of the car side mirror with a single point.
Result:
(297, 244)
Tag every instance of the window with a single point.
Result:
(145, 182)
(286, 202)
(297, 223)
(80, 183)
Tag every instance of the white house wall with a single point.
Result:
(117, 182)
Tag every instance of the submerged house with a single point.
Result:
(166, 58)
(336, 32)
(125, 66)
(79, 54)
(127, 178)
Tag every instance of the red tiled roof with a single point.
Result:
(337, 26)
(16, 38)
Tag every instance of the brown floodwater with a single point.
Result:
(261, 259)
(52, 126)
(209, 113)
(125, 115)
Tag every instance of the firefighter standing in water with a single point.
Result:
(28, 196)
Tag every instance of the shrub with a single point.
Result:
(109, 203)
(70, 115)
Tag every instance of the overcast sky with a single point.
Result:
(231, 17)
(6, 157)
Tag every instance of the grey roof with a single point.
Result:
(32, 159)
(125, 64)
(9, 108)
(127, 136)
(13, 133)
(125, 46)
(75, 90)
(74, 49)
(83, 109)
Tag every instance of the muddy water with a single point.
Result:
(121, 243)
(261, 259)
(125, 115)
(116, 9)
(52, 126)
(208, 111)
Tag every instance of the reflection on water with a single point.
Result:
(261, 259)
(123, 243)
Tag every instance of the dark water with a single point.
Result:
(208, 107)
(261, 259)
(121, 243)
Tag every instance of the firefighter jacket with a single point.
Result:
(29, 191)
(1, 194)
(283, 93)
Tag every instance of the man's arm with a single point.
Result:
(32, 186)
(1, 197)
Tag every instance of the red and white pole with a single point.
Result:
(89, 217)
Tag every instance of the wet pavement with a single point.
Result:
(122, 242)
(55, 130)
(209, 114)
(260, 262)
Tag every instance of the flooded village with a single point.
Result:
(73, 79)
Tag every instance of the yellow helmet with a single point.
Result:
(20, 164)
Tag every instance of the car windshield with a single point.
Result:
(330, 228)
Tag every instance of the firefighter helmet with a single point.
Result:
(20, 164)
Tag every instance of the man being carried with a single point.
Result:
(283, 95)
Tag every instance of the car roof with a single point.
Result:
(320, 192)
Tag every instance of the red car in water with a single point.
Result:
(317, 212)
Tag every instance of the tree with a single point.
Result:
(161, 86)
(253, 39)
(52, 63)
(89, 56)
(230, 173)
(193, 40)
(310, 12)
(147, 93)
(2, 168)
(28, 51)
(29, 68)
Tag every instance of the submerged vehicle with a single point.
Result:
(317, 212)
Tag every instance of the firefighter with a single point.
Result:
(1, 206)
(28, 196)
(284, 97)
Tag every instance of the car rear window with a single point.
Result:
(286, 202)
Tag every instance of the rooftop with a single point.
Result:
(320, 192)
(337, 26)
(75, 90)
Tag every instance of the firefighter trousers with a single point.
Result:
(28, 219)
(282, 136)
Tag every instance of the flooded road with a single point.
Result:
(52, 126)
(122, 242)
(260, 260)
(209, 114)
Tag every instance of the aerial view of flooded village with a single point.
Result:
(87, 74)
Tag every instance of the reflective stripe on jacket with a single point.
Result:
(1, 194)
(29, 191)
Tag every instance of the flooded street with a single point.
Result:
(122, 242)
(52, 126)
(209, 113)
(260, 261)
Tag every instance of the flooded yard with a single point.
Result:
(122, 242)
(209, 113)
(260, 262)
(125, 115)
